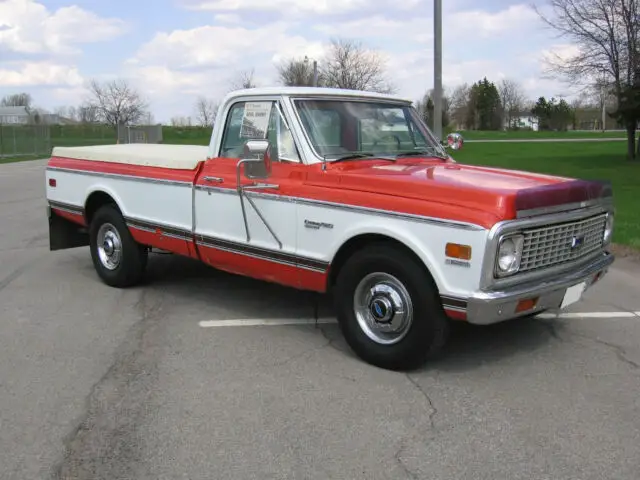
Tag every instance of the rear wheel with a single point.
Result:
(118, 259)
(388, 308)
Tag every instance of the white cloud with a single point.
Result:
(29, 27)
(28, 74)
(292, 7)
(220, 46)
(227, 18)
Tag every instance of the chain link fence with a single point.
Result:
(38, 140)
(24, 140)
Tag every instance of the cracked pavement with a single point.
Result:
(98, 383)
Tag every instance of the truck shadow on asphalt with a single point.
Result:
(469, 347)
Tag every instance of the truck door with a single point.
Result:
(261, 241)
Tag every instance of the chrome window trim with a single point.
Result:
(487, 279)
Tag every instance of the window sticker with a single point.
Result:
(255, 120)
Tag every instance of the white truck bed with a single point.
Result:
(179, 157)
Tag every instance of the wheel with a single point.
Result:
(118, 259)
(388, 308)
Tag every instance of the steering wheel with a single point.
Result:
(375, 142)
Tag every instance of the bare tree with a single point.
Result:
(88, 113)
(607, 36)
(206, 110)
(243, 79)
(459, 105)
(296, 72)
(349, 65)
(17, 100)
(512, 98)
(117, 103)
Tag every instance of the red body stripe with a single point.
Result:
(160, 241)
(124, 169)
(73, 217)
(260, 269)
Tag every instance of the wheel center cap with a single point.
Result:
(108, 246)
(381, 309)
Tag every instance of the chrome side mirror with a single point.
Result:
(256, 159)
(455, 141)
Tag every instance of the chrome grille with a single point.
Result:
(556, 244)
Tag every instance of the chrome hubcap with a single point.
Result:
(109, 246)
(383, 308)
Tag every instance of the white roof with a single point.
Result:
(179, 157)
(311, 91)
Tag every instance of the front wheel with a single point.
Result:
(388, 308)
(118, 259)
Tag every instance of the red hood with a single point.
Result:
(496, 192)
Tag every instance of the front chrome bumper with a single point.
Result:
(493, 306)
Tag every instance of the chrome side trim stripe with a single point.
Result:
(67, 207)
(285, 198)
(452, 303)
(263, 253)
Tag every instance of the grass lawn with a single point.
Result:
(600, 161)
(21, 158)
(527, 134)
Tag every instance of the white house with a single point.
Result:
(14, 115)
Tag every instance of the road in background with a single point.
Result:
(99, 383)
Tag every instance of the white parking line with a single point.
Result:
(251, 322)
(269, 322)
(591, 315)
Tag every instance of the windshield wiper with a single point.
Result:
(419, 153)
(353, 156)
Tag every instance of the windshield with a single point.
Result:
(338, 128)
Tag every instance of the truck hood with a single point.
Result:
(502, 193)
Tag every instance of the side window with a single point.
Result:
(232, 142)
(258, 120)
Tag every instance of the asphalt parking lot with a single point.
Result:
(147, 383)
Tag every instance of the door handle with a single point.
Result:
(213, 179)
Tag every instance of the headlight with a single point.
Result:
(509, 255)
(608, 229)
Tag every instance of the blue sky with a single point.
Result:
(175, 50)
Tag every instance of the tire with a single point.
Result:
(427, 329)
(126, 270)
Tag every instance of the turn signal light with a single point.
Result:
(455, 250)
(528, 304)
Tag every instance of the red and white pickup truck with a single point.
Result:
(344, 192)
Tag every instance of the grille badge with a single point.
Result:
(577, 242)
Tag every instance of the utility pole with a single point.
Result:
(437, 68)
(603, 101)
(315, 73)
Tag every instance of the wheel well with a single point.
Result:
(94, 202)
(358, 242)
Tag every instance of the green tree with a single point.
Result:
(485, 107)
(553, 115)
